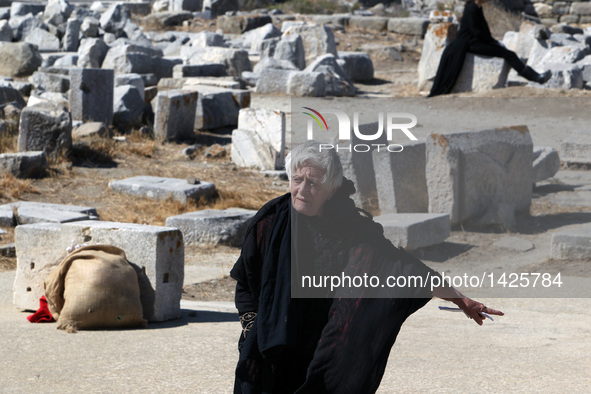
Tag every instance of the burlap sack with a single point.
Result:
(94, 287)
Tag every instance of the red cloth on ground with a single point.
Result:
(42, 315)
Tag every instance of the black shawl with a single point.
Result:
(333, 345)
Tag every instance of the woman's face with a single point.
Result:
(308, 193)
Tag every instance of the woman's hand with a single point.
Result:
(474, 309)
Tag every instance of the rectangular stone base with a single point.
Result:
(157, 251)
(481, 73)
(572, 244)
(415, 230)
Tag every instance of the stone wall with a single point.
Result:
(570, 11)
(550, 11)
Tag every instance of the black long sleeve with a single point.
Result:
(474, 23)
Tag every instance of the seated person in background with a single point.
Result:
(474, 37)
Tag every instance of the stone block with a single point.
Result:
(576, 148)
(24, 8)
(71, 37)
(159, 188)
(414, 26)
(252, 39)
(174, 117)
(383, 53)
(238, 24)
(572, 244)
(481, 73)
(357, 66)
(91, 94)
(546, 162)
(564, 76)
(401, 180)
(415, 230)
(318, 40)
(44, 40)
(92, 52)
(218, 107)
(335, 80)
(133, 80)
(359, 168)
(305, 84)
(213, 227)
(45, 127)
(24, 165)
(270, 126)
(236, 60)
(19, 59)
(186, 5)
(480, 176)
(26, 212)
(158, 252)
(9, 94)
(438, 36)
(273, 81)
(113, 20)
(199, 70)
(585, 65)
(128, 108)
(51, 82)
(90, 27)
(291, 48)
(372, 23)
(564, 54)
(249, 150)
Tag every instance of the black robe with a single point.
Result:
(335, 344)
(474, 32)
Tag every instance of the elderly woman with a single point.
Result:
(339, 341)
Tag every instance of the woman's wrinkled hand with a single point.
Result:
(474, 309)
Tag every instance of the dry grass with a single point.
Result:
(9, 139)
(13, 188)
(500, 21)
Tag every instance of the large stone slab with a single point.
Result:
(271, 128)
(212, 227)
(27, 212)
(576, 148)
(45, 127)
(24, 164)
(572, 244)
(401, 180)
(415, 230)
(158, 252)
(91, 95)
(174, 117)
(480, 176)
(413, 26)
(159, 188)
(481, 73)
(249, 150)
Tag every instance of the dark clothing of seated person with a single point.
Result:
(332, 341)
(474, 37)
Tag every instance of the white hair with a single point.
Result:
(309, 153)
